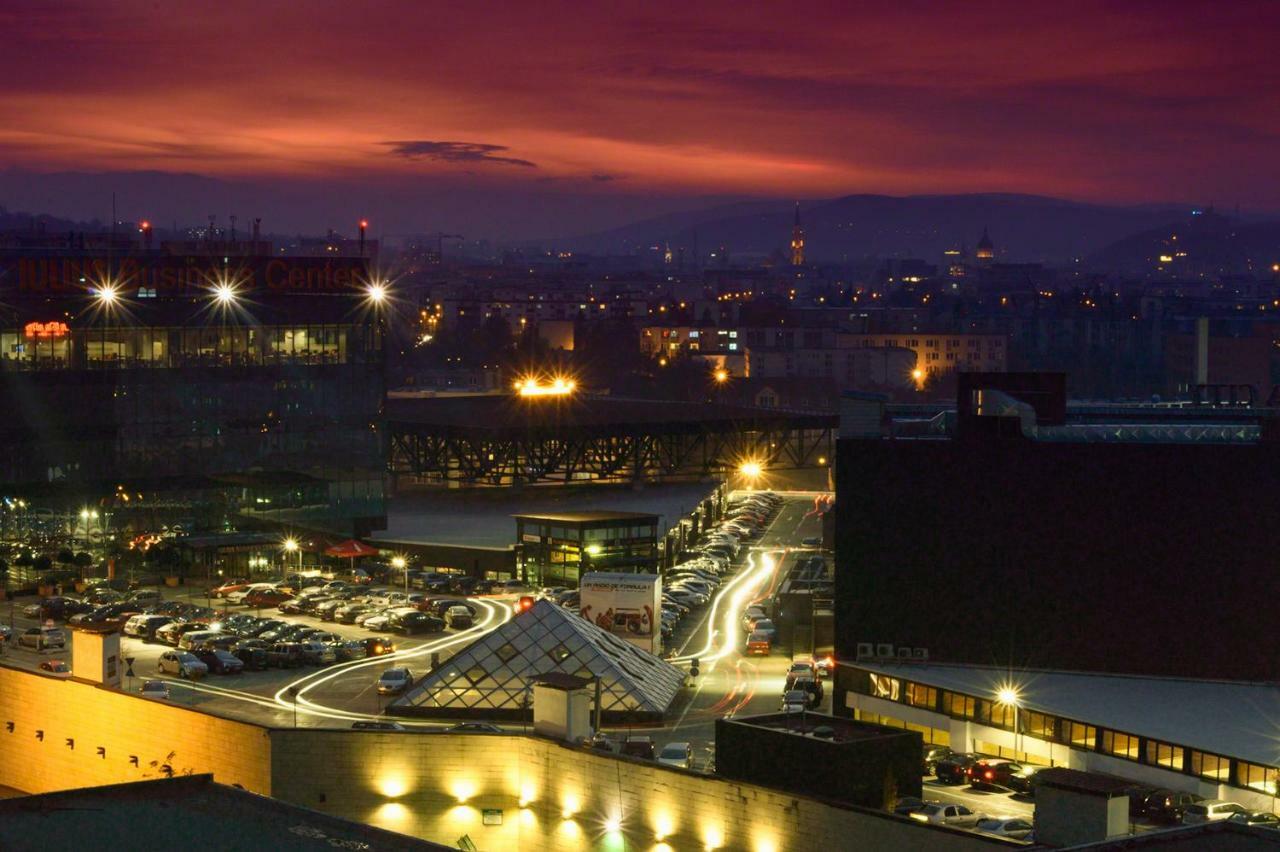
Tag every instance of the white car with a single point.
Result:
(1015, 828)
(938, 813)
(676, 754)
(395, 680)
(1210, 810)
(237, 597)
(42, 637)
(182, 664)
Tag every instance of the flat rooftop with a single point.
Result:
(1228, 718)
(589, 517)
(485, 517)
(840, 729)
(489, 414)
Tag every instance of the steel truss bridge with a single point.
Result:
(506, 440)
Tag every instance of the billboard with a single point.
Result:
(627, 605)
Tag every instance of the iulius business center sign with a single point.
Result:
(182, 275)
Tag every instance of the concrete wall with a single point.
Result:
(430, 785)
(156, 732)
(438, 785)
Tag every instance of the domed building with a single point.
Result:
(986, 250)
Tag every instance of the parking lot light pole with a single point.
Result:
(1010, 697)
(399, 563)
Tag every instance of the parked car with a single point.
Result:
(955, 769)
(154, 689)
(376, 647)
(253, 653)
(458, 617)
(1265, 819)
(1024, 779)
(1015, 828)
(42, 637)
(907, 805)
(182, 664)
(144, 597)
(1210, 810)
(1166, 806)
(638, 746)
(809, 685)
(394, 681)
(676, 754)
(55, 667)
(992, 772)
(932, 754)
(940, 813)
(257, 598)
(318, 653)
(144, 626)
(759, 644)
(376, 726)
(414, 622)
(476, 728)
(285, 655)
(221, 662)
(795, 701)
(348, 651)
(226, 587)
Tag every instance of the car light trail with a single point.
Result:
(497, 614)
(737, 591)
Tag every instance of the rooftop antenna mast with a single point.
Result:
(233, 227)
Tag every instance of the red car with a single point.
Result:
(266, 597)
(234, 585)
(760, 643)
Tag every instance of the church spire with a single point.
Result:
(797, 240)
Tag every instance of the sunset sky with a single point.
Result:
(645, 106)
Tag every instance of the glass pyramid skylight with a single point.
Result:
(496, 672)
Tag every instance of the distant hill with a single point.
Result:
(1206, 243)
(1024, 228)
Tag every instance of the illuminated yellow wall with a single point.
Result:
(437, 785)
(430, 785)
(156, 732)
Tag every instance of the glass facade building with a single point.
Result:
(216, 374)
(558, 548)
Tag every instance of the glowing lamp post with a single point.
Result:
(399, 563)
(291, 546)
(1009, 696)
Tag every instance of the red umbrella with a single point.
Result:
(351, 549)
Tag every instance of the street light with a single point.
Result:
(1008, 696)
(398, 563)
(291, 546)
(224, 294)
(722, 376)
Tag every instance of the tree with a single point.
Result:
(83, 559)
(42, 563)
(65, 556)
